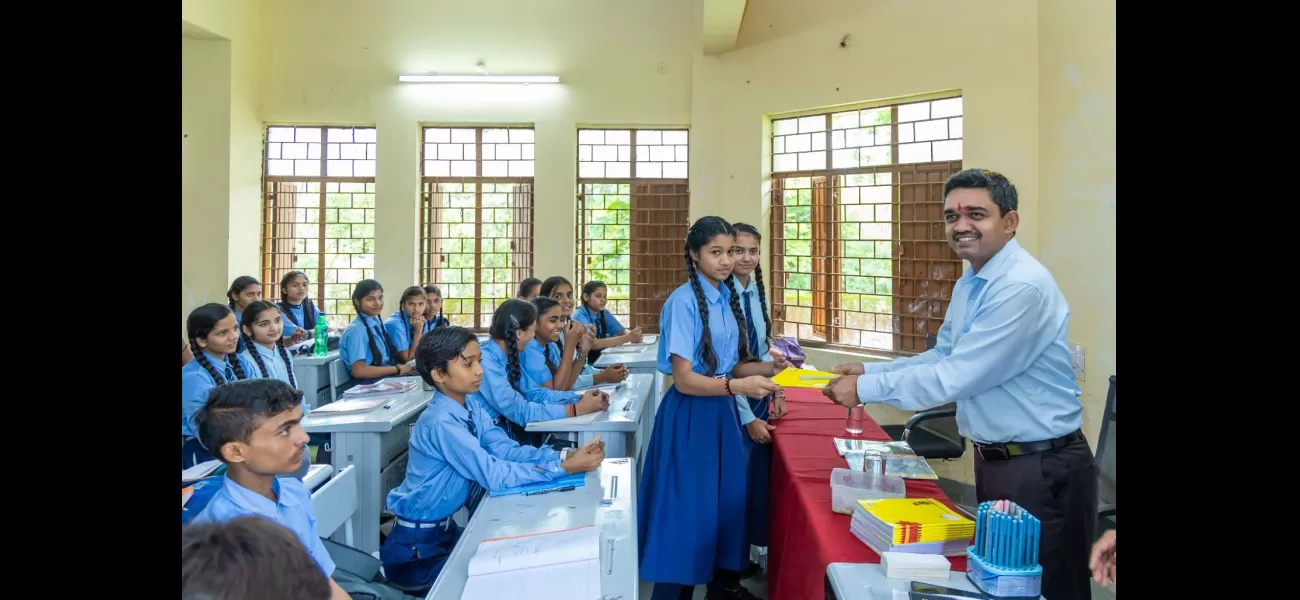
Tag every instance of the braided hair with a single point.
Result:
(308, 307)
(588, 289)
(199, 325)
(237, 287)
(438, 320)
(703, 231)
(254, 311)
(543, 304)
(758, 278)
(407, 294)
(364, 288)
(512, 316)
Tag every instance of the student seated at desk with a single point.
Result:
(406, 325)
(214, 333)
(455, 454)
(560, 290)
(299, 311)
(433, 318)
(529, 288)
(513, 325)
(364, 346)
(253, 428)
(543, 365)
(262, 325)
(608, 331)
(244, 290)
(249, 558)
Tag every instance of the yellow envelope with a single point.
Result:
(803, 378)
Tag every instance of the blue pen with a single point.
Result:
(979, 529)
(1033, 541)
(997, 539)
(1017, 553)
(988, 534)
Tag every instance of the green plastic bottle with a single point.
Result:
(322, 337)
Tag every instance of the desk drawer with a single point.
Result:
(390, 477)
(393, 443)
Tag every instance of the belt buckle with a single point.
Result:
(996, 452)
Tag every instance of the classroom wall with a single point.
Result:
(1077, 142)
(220, 181)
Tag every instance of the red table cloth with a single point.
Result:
(806, 536)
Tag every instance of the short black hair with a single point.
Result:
(439, 348)
(236, 409)
(999, 187)
(248, 558)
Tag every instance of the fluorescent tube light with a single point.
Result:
(478, 78)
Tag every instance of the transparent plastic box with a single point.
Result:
(847, 487)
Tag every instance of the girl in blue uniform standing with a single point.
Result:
(364, 346)
(456, 455)
(692, 495)
(406, 325)
(214, 335)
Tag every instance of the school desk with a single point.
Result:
(376, 442)
(623, 427)
(643, 360)
(855, 581)
(806, 536)
(507, 516)
(313, 376)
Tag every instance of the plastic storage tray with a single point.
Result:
(847, 487)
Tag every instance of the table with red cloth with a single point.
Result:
(806, 536)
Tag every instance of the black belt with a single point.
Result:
(1006, 450)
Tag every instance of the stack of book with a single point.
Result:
(912, 525)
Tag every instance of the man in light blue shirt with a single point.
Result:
(1002, 356)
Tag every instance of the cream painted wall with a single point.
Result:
(219, 217)
(337, 62)
(205, 169)
(1077, 140)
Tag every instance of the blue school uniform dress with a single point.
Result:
(276, 366)
(291, 509)
(692, 494)
(456, 454)
(760, 455)
(354, 345)
(507, 407)
(196, 383)
(607, 326)
(296, 316)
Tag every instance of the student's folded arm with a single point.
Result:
(498, 392)
(498, 444)
(463, 452)
(361, 370)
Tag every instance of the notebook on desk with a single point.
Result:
(576, 480)
(559, 565)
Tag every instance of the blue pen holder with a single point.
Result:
(1003, 561)
(1003, 583)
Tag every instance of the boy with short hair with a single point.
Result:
(249, 558)
(252, 426)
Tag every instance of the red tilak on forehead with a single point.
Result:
(958, 207)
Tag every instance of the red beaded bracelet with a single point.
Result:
(726, 386)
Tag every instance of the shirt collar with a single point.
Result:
(246, 497)
(996, 265)
(711, 294)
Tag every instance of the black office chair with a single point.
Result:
(931, 433)
(1106, 465)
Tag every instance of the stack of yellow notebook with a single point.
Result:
(914, 525)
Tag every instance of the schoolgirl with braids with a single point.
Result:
(406, 326)
(560, 290)
(543, 362)
(213, 337)
(261, 327)
(433, 318)
(244, 290)
(510, 405)
(747, 285)
(692, 494)
(364, 346)
(608, 332)
(299, 311)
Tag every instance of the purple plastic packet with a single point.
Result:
(790, 348)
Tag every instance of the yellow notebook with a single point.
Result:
(918, 520)
(803, 378)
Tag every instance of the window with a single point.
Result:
(476, 217)
(319, 212)
(633, 200)
(858, 248)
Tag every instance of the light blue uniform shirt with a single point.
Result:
(296, 313)
(275, 363)
(292, 509)
(585, 316)
(587, 377)
(498, 398)
(196, 382)
(749, 295)
(445, 458)
(681, 329)
(1001, 354)
(354, 345)
(398, 327)
(537, 373)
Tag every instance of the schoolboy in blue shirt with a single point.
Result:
(456, 453)
(253, 427)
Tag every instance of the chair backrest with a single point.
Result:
(1106, 449)
(339, 375)
(336, 502)
(931, 340)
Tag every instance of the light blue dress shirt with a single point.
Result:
(297, 312)
(196, 383)
(276, 366)
(1001, 354)
(681, 329)
(587, 377)
(445, 458)
(291, 509)
(536, 373)
(749, 295)
(498, 397)
(585, 316)
(354, 344)
(398, 328)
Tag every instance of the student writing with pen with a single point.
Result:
(456, 453)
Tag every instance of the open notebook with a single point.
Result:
(559, 565)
